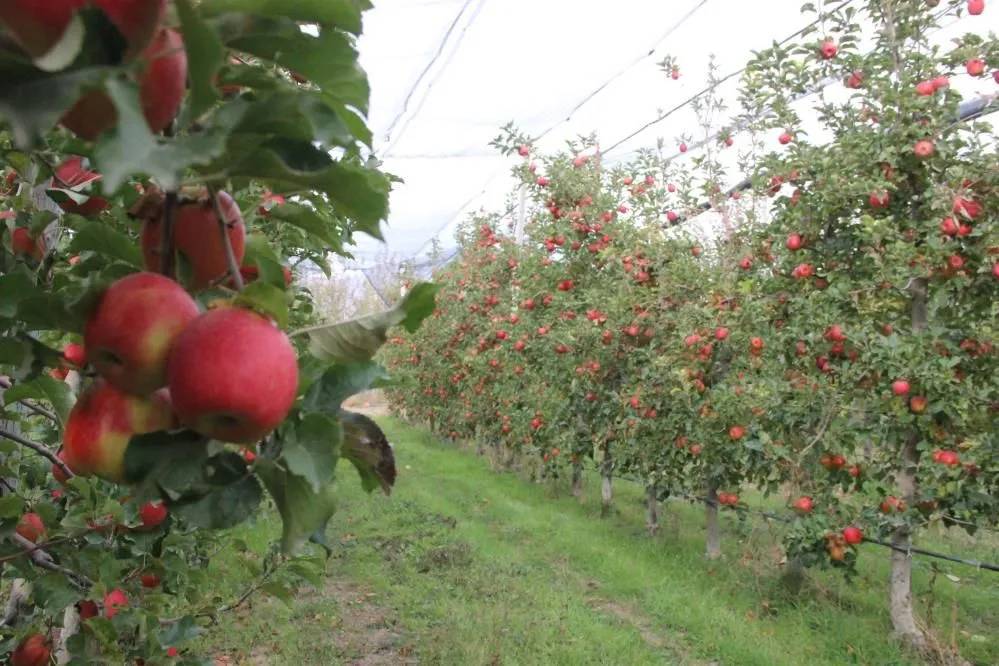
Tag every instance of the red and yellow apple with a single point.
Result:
(129, 333)
(103, 421)
(34, 650)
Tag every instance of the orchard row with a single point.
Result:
(828, 337)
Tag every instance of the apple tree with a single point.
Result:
(170, 170)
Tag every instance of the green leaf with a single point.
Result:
(312, 222)
(48, 312)
(340, 382)
(225, 506)
(173, 461)
(131, 149)
(178, 633)
(15, 287)
(278, 591)
(345, 14)
(311, 448)
(44, 388)
(11, 506)
(329, 60)
(303, 511)
(103, 239)
(266, 299)
(356, 192)
(365, 445)
(359, 340)
(205, 55)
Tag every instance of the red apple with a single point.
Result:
(162, 83)
(101, 423)
(949, 227)
(74, 354)
(828, 49)
(975, 67)
(136, 20)
(153, 514)
(34, 650)
(785, 138)
(918, 403)
(803, 505)
(855, 80)
(853, 535)
(87, 609)
(924, 149)
(114, 601)
(25, 245)
(233, 375)
(57, 472)
(196, 236)
(31, 527)
(794, 242)
(129, 334)
(925, 88)
(737, 432)
(149, 580)
(37, 25)
(976, 7)
(721, 333)
(900, 387)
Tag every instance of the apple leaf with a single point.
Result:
(344, 14)
(311, 448)
(266, 299)
(329, 59)
(225, 505)
(359, 340)
(101, 238)
(312, 222)
(340, 382)
(171, 461)
(15, 287)
(365, 445)
(44, 388)
(205, 55)
(303, 511)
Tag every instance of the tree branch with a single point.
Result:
(31, 404)
(230, 255)
(43, 560)
(39, 449)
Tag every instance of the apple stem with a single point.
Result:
(39, 449)
(166, 239)
(230, 255)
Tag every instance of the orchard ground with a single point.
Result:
(465, 565)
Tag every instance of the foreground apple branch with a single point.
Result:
(39, 449)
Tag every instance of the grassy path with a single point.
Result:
(466, 566)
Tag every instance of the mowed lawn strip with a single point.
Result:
(479, 567)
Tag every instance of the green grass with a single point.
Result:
(470, 566)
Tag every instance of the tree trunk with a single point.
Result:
(577, 479)
(70, 627)
(903, 616)
(606, 489)
(712, 549)
(652, 509)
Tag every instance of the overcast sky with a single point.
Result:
(532, 62)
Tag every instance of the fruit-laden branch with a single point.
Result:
(39, 449)
(230, 255)
(43, 560)
(31, 404)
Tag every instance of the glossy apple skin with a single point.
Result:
(37, 25)
(129, 334)
(153, 514)
(34, 650)
(162, 84)
(196, 236)
(233, 376)
(114, 601)
(102, 422)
